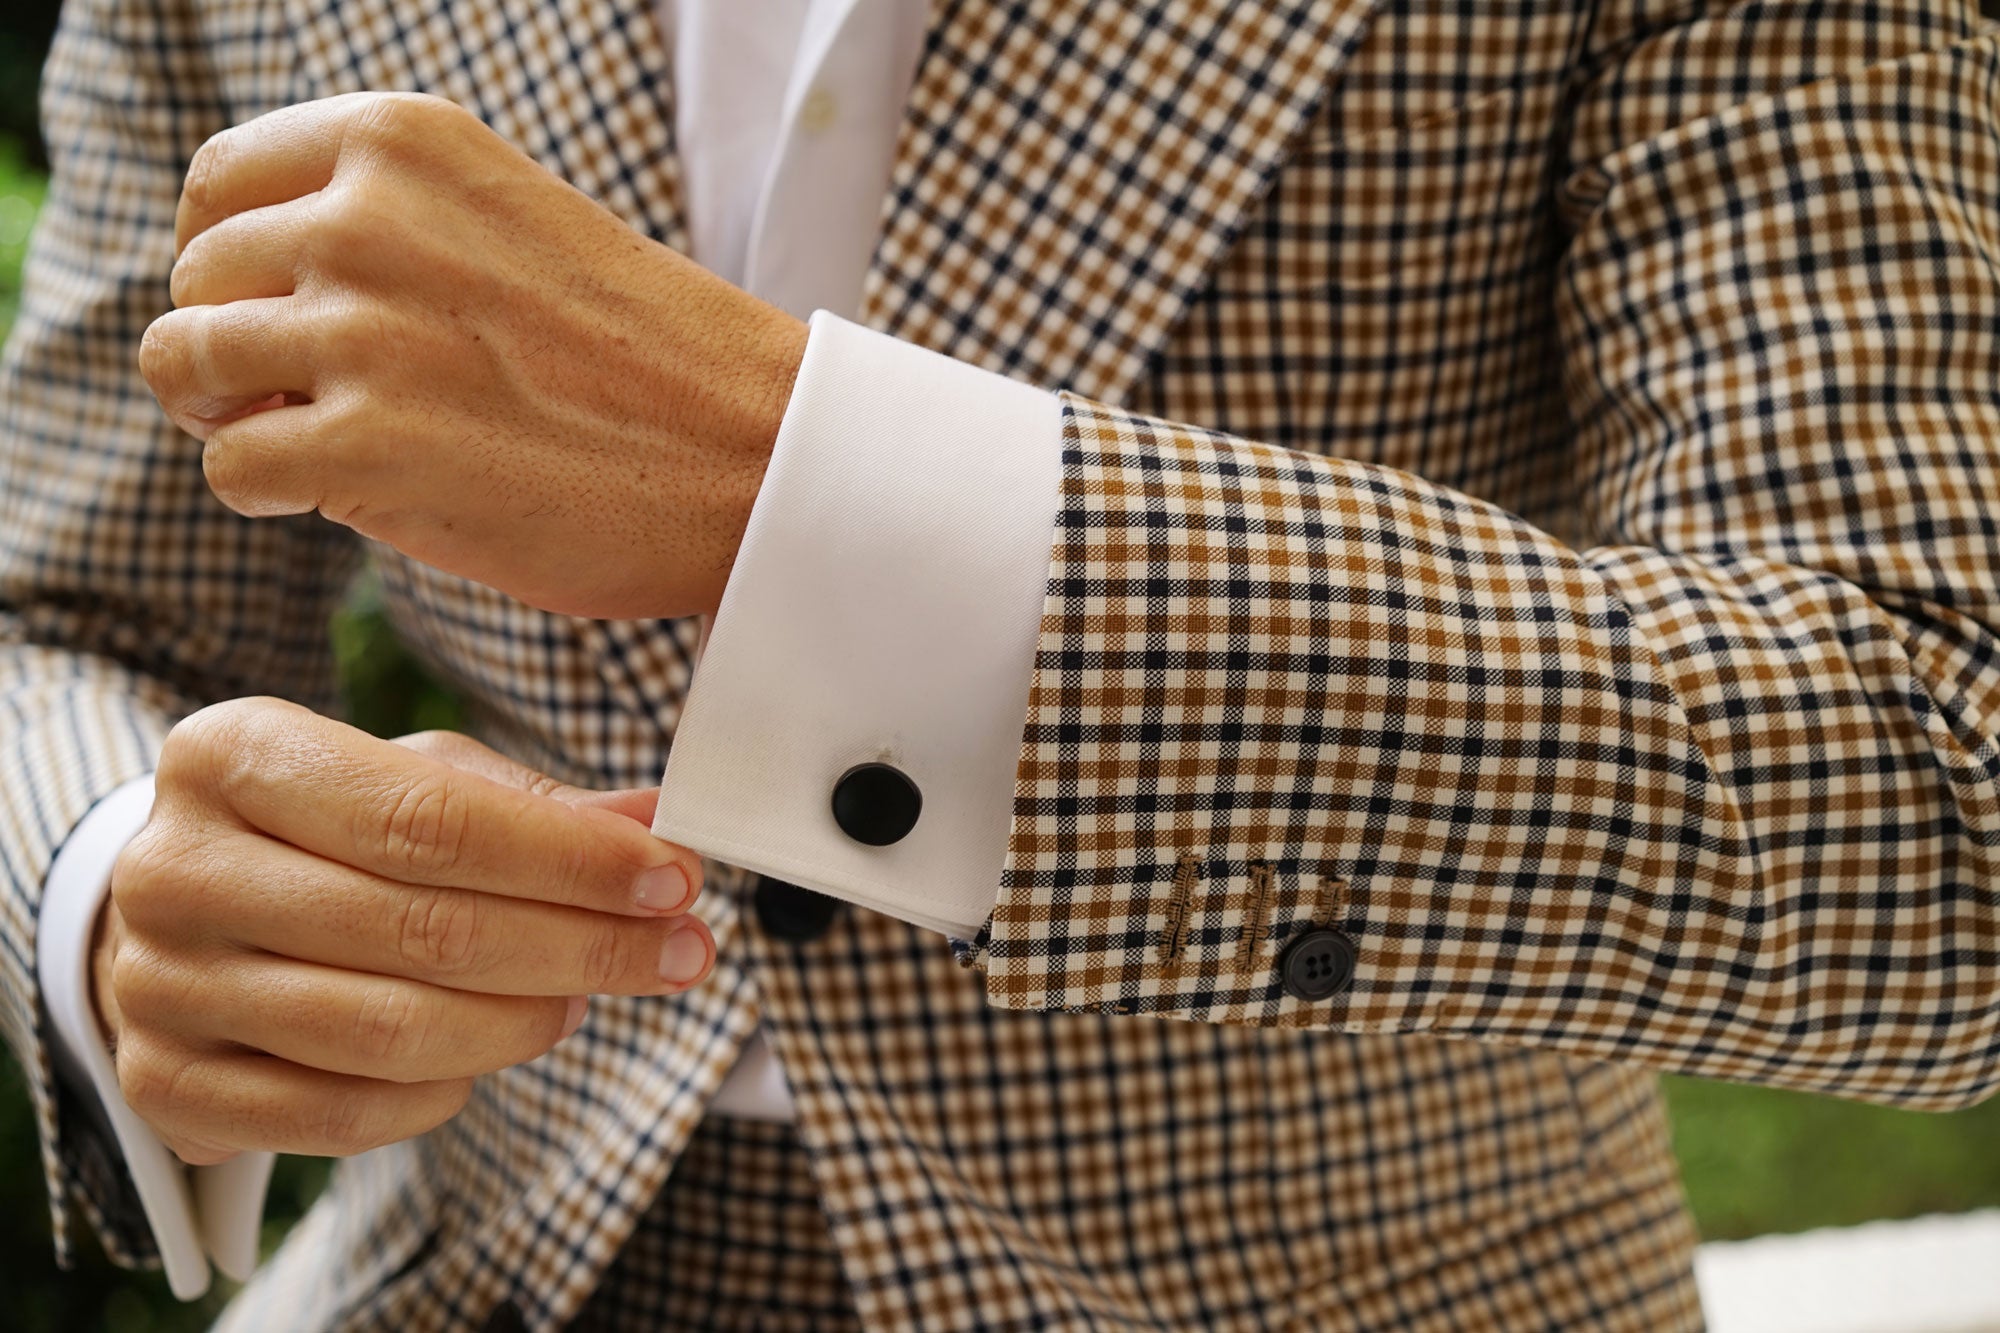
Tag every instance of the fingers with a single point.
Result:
(210, 1105)
(462, 751)
(208, 363)
(288, 903)
(296, 150)
(374, 1027)
(244, 257)
(380, 807)
(267, 463)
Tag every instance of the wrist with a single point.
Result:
(762, 368)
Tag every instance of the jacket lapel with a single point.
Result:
(582, 86)
(1069, 171)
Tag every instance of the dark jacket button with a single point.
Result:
(506, 1318)
(1318, 964)
(792, 913)
(876, 804)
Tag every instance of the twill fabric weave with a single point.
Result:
(1529, 505)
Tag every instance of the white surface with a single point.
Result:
(1929, 1275)
(887, 597)
(756, 1088)
(885, 608)
(232, 1194)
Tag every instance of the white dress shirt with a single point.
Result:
(884, 606)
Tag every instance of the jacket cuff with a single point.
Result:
(882, 616)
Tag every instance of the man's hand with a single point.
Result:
(319, 938)
(390, 315)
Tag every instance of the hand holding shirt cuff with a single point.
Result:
(883, 610)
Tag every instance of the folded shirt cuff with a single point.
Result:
(194, 1213)
(872, 654)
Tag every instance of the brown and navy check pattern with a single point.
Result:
(1688, 761)
(1599, 629)
(736, 1243)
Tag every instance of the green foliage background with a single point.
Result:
(1754, 1160)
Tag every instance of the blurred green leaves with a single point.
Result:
(383, 690)
(21, 191)
(1757, 1160)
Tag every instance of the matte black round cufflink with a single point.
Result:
(1317, 965)
(876, 804)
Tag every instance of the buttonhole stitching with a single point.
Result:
(1180, 909)
(1256, 914)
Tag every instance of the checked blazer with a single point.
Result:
(1574, 581)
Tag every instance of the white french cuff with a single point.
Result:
(884, 609)
(196, 1213)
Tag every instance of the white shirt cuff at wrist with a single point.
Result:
(884, 608)
(197, 1213)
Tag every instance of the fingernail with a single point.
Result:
(579, 1005)
(683, 958)
(663, 889)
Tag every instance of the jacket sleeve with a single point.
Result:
(1717, 793)
(128, 595)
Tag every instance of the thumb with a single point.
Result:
(464, 753)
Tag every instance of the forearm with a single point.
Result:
(1622, 804)
(1713, 795)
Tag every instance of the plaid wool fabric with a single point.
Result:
(1577, 584)
(736, 1243)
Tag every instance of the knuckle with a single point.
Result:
(230, 474)
(256, 480)
(390, 1025)
(405, 120)
(135, 981)
(571, 871)
(347, 218)
(606, 959)
(424, 828)
(155, 988)
(441, 932)
(154, 1085)
(166, 353)
(383, 121)
(143, 873)
(185, 277)
(179, 280)
(347, 1123)
(215, 752)
(351, 339)
(202, 186)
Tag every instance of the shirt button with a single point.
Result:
(506, 1318)
(817, 112)
(793, 914)
(876, 804)
(1317, 965)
